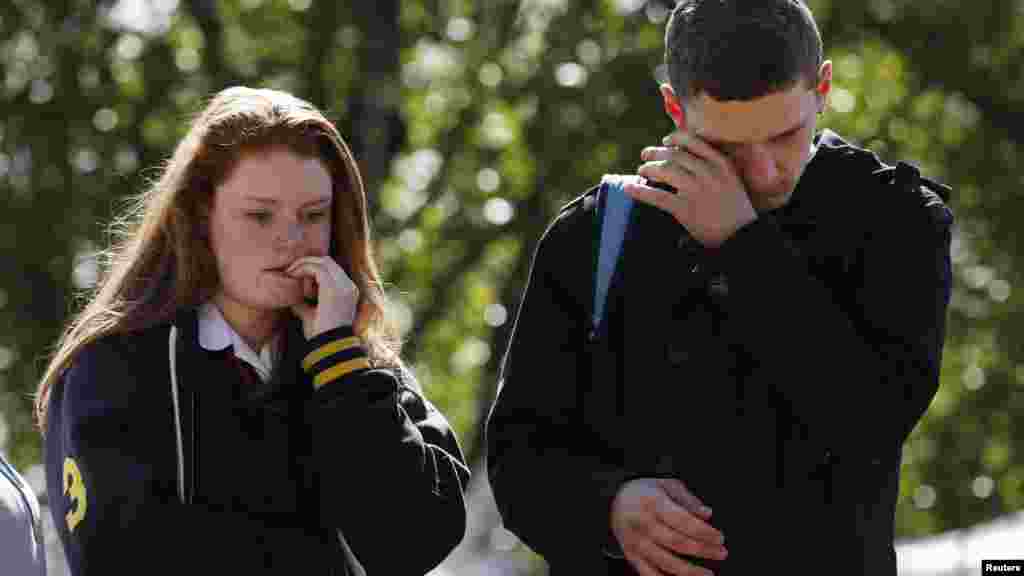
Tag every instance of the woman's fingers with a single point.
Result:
(336, 296)
(326, 268)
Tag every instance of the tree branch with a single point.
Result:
(209, 21)
(321, 24)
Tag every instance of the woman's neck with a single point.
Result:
(256, 327)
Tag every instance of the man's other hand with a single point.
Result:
(656, 520)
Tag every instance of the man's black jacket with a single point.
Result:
(777, 376)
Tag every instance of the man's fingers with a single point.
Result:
(678, 492)
(676, 157)
(682, 544)
(677, 204)
(642, 566)
(668, 562)
(649, 195)
(681, 520)
(672, 170)
(696, 146)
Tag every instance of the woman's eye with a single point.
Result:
(316, 216)
(261, 217)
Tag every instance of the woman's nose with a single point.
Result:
(293, 232)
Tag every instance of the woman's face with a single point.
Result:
(273, 208)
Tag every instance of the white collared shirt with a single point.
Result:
(216, 334)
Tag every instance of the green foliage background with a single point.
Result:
(474, 121)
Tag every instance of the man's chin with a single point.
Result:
(773, 201)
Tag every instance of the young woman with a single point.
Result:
(232, 395)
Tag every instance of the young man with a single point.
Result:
(772, 333)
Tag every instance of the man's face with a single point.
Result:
(768, 139)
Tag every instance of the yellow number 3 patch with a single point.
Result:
(74, 489)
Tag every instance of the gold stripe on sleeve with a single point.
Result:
(327, 349)
(335, 372)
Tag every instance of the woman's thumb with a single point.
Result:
(303, 311)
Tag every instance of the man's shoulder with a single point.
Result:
(580, 206)
(897, 192)
(916, 196)
(573, 223)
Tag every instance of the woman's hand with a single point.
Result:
(336, 296)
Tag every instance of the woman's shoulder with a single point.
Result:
(394, 378)
(411, 395)
(117, 369)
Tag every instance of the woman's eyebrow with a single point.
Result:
(273, 201)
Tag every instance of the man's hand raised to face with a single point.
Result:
(711, 200)
(656, 520)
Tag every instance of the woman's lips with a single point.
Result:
(280, 272)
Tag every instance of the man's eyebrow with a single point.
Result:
(788, 132)
(273, 201)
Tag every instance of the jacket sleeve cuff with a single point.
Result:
(748, 249)
(611, 547)
(334, 354)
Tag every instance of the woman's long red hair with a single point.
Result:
(160, 261)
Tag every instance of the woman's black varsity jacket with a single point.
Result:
(194, 473)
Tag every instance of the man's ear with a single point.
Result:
(673, 107)
(824, 86)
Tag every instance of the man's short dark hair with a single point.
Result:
(741, 49)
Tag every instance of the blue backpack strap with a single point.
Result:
(613, 210)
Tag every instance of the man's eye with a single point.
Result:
(261, 217)
(728, 148)
(787, 136)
